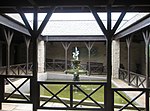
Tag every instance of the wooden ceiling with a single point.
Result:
(9, 6)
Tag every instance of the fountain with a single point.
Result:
(76, 69)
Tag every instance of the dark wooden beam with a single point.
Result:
(119, 21)
(25, 20)
(73, 38)
(32, 2)
(111, 2)
(99, 21)
(109, 95)
(46, 19)
(75, 9)
(10, 23)
(109, 19)
(35, 60)
(74, 3)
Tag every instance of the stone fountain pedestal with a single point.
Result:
(76, 70)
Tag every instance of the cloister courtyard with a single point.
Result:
(74, 55)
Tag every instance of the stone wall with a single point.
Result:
(22, 53)
(136, 57)
(115, 58)
(55, 50)
(41, 56)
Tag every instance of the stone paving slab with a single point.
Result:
(28, 107)
(120, 84)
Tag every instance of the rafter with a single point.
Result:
(99, 21)
(25, 20)
(46, 19)
(33, 2)
(44, 22)
(119, 21)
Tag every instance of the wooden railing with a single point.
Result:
(132, 102)
(15, 89)
(3, 70)
(72, 104)
(137, 80)
(59, 65)
(17, 69)
(56, 66)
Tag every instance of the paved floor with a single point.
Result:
(131, 94)
(28, 107)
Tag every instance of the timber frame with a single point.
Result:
(93, 6)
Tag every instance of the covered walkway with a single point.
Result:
(34, 33)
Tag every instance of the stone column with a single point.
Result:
(115, 58)
(41, 56)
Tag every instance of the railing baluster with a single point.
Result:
(130, 102)
(38, 95)
(2, 86)
(71, 101)
(18, 70)
(147, 100)
(135, 78)
(71, 95)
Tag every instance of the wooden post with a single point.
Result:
(66, 45)
(8, 37)
(27, 41)
(146, 36)
(35, 60)
(2, 85)
(128, 41)
(89, 46)
(109, 32)
(34, 37)
(45, 44)
(71, 95)
(109, 97)
(147, 100)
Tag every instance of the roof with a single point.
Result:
(79, 24)
(86, 28)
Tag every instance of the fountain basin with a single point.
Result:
(80, 71)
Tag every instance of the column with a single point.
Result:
(8, 36)
(128, 41)
(89, 46)
(27, 41)
(66, 46)
(146, 36)
(0, 54)
(115, 58)
(41, 56)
